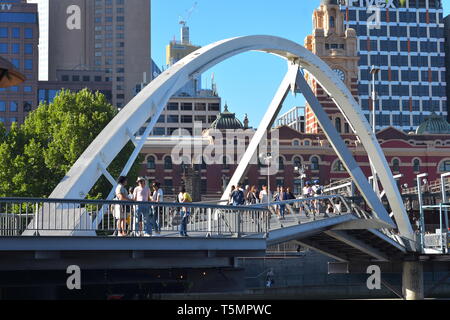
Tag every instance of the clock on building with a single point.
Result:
(340, 73)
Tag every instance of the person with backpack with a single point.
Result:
(282, 196)
(238, 196)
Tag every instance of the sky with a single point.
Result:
(246, 82)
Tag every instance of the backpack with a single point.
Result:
(238, 197)
(319, 191)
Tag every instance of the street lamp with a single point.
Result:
(302, 172)
(267, 157)
(422, 214)
(374, 71)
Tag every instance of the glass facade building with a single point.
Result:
(19, 36)
(405, 39)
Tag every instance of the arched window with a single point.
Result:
(332, 22)
(225, 162)
(396, 165)
(297, 162)
(346, 128)
(315, 163)
(151, 165)
(338, 166)
(307, 142)
(295, 143)
(444, 166)
(280, 163)
(338, 125)
(416, 165)
(168, 163)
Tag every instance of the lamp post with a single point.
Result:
(301, 171)
(267, 158)
(374, 71)
(422, 214)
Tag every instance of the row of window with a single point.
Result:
(15, 33)
(395, 46)
(14, 48)
(189, 106)
(400, 31)
(405, 91)
(337, 165)
(8, 120)
(109, 19)
(14, 106)
(27, 64)
(395, 75)
(397, 60)
(109, 2)
(26, 89)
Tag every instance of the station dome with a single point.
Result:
(227, 121)
(434, 125)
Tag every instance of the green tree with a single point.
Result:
(35, 156)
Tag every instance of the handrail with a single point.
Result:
(125, 203)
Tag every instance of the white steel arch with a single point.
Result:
(151, 101)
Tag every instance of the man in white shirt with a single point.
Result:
(144, 218)
(264, 195)
(158, 196)
(119, 210)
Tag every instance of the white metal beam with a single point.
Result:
(342, 151)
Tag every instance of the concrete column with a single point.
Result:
(413, 286)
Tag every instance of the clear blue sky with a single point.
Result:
(246, 82)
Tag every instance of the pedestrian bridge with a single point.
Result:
(51, 228)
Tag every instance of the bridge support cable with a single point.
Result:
(342, 151)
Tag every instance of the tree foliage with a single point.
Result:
(35, 156)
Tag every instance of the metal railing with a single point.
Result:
(437, 235)
(315, 208)
(34, 217)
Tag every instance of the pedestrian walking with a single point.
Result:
(158, 196)
(238, 196)
(143, 213)
(184, 197)
(120, 210)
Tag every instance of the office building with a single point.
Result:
(191, 104)
(406, 41)
(101, 35)
(75, 81)
(294, 119)
(447, 61)
(19, 36)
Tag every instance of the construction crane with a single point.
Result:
(184, 21)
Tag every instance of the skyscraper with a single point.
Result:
(447, 62)
(112, 36)
(19, 36)
(405, 39)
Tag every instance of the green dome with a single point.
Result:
(227, 120)
(434, 125)
(327, 2)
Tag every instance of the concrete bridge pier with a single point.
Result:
(412, 280)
